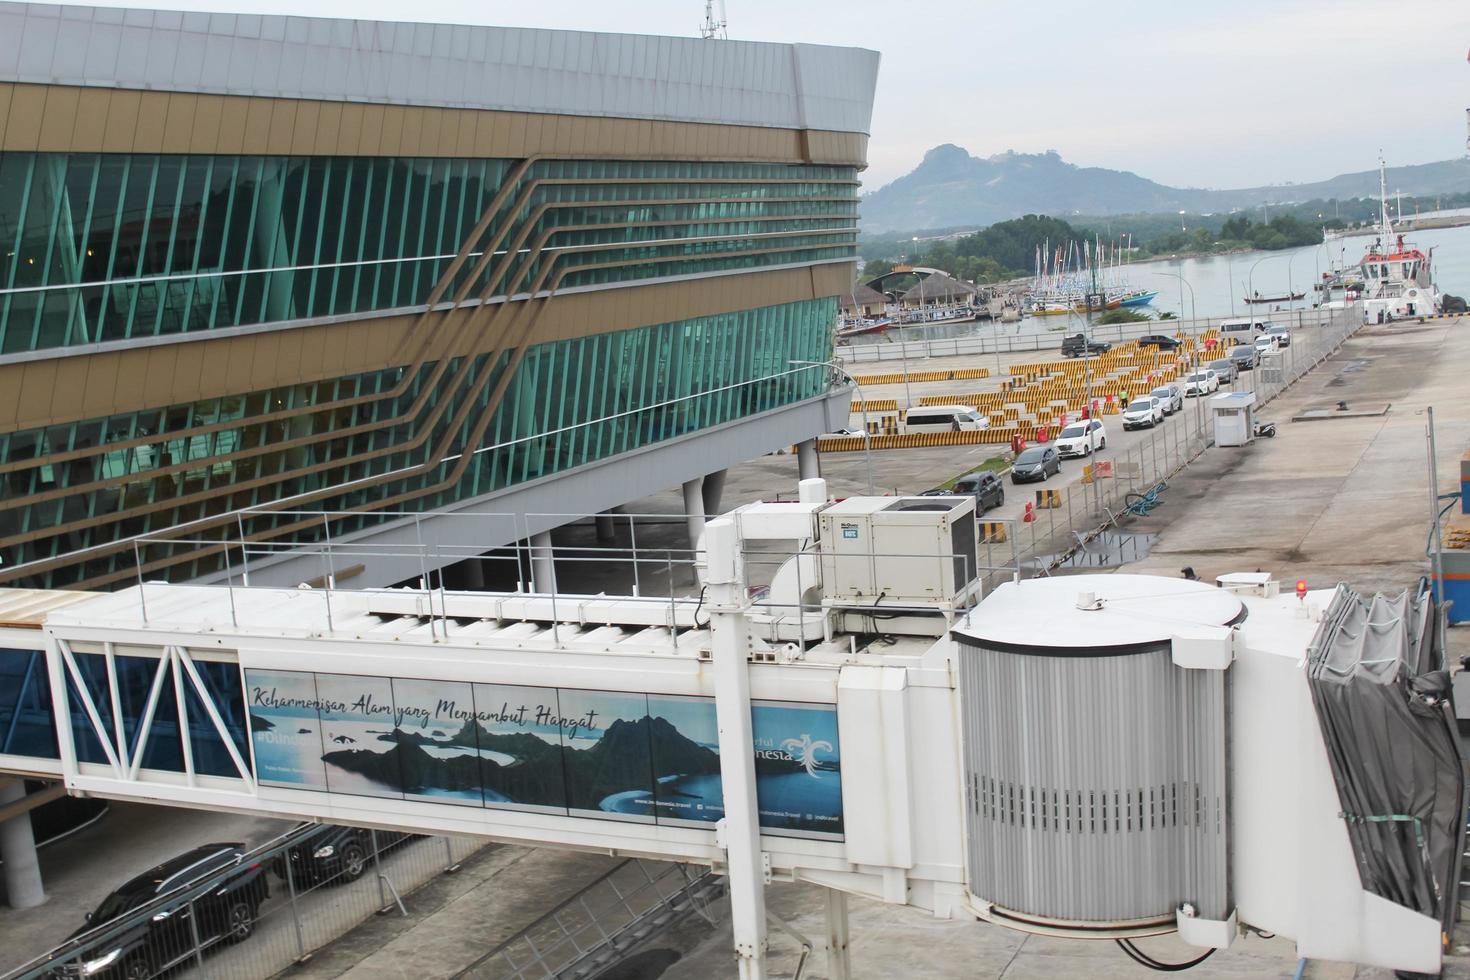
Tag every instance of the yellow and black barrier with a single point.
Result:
(897, 378)
(992, 532)
(1048, 499)
(925, 440)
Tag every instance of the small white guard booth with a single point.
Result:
(1234, 414)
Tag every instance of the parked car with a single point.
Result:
(1245, 357)
(1158, 340)
(1225, 370)
(1035, 464)
(944, 418)
(987, 489)
(1266, 343)
(338, 854)
(225, 914)
(1171, 396)
(1078, 344)
(1082, 438)
(1282, 335)
(1146, 410)
(1201, 383)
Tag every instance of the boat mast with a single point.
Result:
(1385, 225)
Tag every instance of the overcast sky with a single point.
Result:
(1198, 93)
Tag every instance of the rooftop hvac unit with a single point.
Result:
(904, 552)
(1094, 751)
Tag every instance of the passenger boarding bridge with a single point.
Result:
(866, 723)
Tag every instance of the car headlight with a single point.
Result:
(325, 851)
(100, 963)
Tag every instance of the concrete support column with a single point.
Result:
(694, 509)
(604, 528)
(23, 886)
(739, 832)
(543, 567)
(839, 960)
(808, 464)
(714, 490)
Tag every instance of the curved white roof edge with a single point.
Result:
(749, 83)
(1127, 610)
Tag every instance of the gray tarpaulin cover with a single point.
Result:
(1387, 719)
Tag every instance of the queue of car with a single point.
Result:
(1087, 436)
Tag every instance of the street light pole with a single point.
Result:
(1290, 291)
(1230, 273)
(867, 432)
(1199, 422)
(1251, 279)
(1091, 449)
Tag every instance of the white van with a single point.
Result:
(944, 418)
(1242, 331)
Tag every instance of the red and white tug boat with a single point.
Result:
(1397, 279)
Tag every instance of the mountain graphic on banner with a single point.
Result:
(617, 762)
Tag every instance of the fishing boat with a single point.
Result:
(1082, 277)
(1284, 298)
(1093, 306)
(1050, 309)
(861, 328)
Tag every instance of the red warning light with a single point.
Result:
(1301, 588)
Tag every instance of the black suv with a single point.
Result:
(1077, 345)
(337, 854)
(986, 488)
(1158, 340)
(225, 914)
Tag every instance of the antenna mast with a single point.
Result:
(712, 28)
(1385, 225)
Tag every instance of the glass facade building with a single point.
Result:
(571, 402)
(281, 266)
(102, 247)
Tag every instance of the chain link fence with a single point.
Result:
(1087, 524)
(252, 914)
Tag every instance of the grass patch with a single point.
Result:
(995, 464)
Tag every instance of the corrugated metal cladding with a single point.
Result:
(1095, 785)
(789, 86)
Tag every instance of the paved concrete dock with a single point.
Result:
(1341, 499)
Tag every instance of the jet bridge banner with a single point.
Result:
(650, 758)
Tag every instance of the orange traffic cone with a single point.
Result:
(1030, 516)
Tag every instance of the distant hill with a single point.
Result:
(950, 188)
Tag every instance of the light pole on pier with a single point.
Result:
(1199, 395)
(1251, 279)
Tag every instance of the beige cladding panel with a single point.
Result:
(65, 389)
(63, 118)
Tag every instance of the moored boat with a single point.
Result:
(1284, 298)
(1398, 279)
(860, 328)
